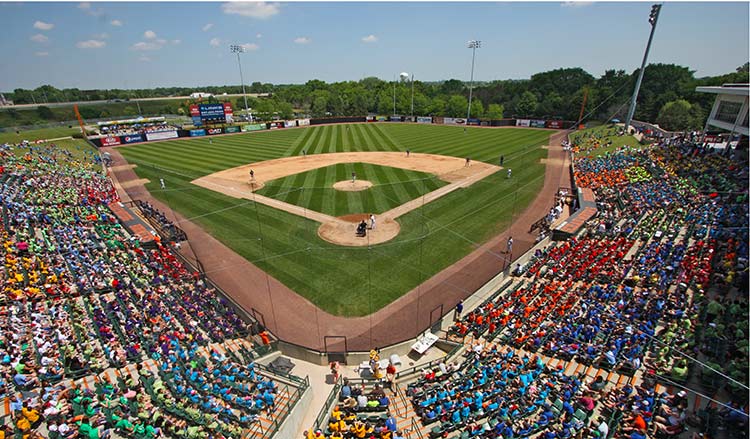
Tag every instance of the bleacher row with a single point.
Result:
(83, 305)
(635, 328)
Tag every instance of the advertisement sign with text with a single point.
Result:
(232, 129)
(212, 112)
(161, 135)
(197, 133)
(197, 121)
(557, 124)
(303, 122)
(473, 122)
(454, 121)
(131, 138)
(227, 108)
(438, 120)
(212, 131)
(523, 122)
(254, 127)
(290, 123)
(194, 110)
(381, 119)
(536, 123)
(110, 141)
(421, 119)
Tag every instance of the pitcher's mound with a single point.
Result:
(343, 231)
(348, 186)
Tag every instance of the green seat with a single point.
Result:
(580, 415)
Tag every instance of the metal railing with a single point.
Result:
(433, 363)
(326, 409)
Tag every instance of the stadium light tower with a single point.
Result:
(473, 45)
(234, 48)
(652, 19)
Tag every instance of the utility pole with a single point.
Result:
(652, 19)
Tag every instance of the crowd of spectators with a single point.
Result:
(136, 128)
(657, 279)
(82, 299)
(159, 219)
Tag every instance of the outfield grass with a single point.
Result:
(313, 190)
(42, 133)
(340, 280)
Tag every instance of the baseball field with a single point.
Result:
(351, 280)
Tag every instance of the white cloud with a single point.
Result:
(42, 25)
(149, 35)
(250, 46)
(260, 10)
(101, 36)
(370, 39)
(117, 23)
(86, 7)
(91, 44)
(207, 27)
(258, 36)
(302, 40)
(154, 44)
(144, 58)
(215, 42)
(41, 53)
(39, 38)
(576, 4)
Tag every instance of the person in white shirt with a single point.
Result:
(602, 428)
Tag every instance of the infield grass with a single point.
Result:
(342, 280)
(313, 190)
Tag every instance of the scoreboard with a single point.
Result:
(211, 113)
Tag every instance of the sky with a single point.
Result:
(144, 45)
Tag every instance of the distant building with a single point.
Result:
(200, 94)
(4, 101)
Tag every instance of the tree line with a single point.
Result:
(667, 96)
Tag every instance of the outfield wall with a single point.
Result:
(104, 141)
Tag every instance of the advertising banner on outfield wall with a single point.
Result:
(131, 138)
(303, 122)
(438, 120)
(370, 119)
(275, 125)
(290, 123)
(394, 118)
(523, 122)
(381, 118)
(110, 141)
(421, 119)
(212, 131)
(194, 110)
(253, 127)
(557, 124)
(454, 121)
(536, 123)
(161, 135)
(197, 133)
(231, 130)
(473, 122)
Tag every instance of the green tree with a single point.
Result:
(437, 107)
(456, 106)
(679, 115)
(495, 111)
(452, 86)
(45, 112)
(477, 108)
(526, 105)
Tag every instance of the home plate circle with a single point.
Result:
(352, 186)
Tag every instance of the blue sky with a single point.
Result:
(134, 45)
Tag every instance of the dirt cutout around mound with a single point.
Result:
(352, 186)
(236, 183)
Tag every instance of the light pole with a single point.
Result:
(653, 18)
(473, 45)
(234, 48)
(394, 95)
